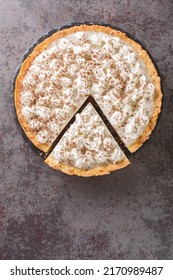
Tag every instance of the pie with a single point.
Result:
(74, 63)
(87, 148)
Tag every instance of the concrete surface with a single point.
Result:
(45, 214)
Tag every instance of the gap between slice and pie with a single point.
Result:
(87, 148)
(106, 122)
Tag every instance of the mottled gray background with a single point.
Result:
(45, 214)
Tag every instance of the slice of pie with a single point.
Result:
(87, 148)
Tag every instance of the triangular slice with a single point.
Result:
(87, 148)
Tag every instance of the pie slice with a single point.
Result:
(65, 68)
(87, 148)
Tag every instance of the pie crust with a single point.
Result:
(44, 146)
(100, 170)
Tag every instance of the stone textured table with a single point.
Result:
(45, 214)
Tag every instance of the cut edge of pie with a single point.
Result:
(98, 28)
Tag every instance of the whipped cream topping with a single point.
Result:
(87, 143)
(69, 69)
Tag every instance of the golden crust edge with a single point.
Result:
(62, 33)
(97, 171)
